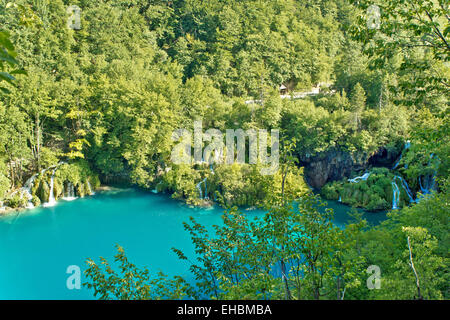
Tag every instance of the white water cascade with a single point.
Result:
(407, 189)
(90, 188)
(428, 183)
(364, 177)
(396, 192)
(395, 195)
(199, 188)
(51, 198)
(26, 190)
(407, 145)
(70, 194)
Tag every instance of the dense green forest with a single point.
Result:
(80, 107)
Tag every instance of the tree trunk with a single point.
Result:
(288, 295)
(419, 295)
(12, 174)
(38, 142)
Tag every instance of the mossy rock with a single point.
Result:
(16, 201)
(43, 191)
(86, 188)
(330, 192)
(95, 182)
(58, 188)
(79, 189)
(36, 201)
(375, 193)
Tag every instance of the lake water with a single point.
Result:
(38, 245)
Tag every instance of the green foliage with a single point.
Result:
(7, 61)
(4, 185)
(106, 99)
(416, 33)
(239, 261)
(131, 283)
(246, 259)
(238, 185)
(373, 194)
(15, 201)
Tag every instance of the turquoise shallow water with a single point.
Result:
(37, 246)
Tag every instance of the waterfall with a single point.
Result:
(90, 188)
(429, 184)
(340, 199)
(429, 181)
(199, 188)
(26, 190)
(405, 186)
(407, 145)
(395, 195)
(396, 192)
(70, 194)
(397, 163)
(51, 198)
(357, 179)
(407, 189)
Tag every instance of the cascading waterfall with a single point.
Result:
(397, 163)
(407, 189)
(340, 199)
(428, 185)
(26, 190)
(407, 145)
(429, 181)
(51, 198)
(90, 188)
(396, 192)
(70, 194)
(199, 188)
(364, 177)
(395, 195)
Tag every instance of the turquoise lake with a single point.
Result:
(37, 246)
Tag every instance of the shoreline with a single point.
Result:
(9, 211)
(204, 205)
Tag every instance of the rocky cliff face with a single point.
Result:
(336, 164)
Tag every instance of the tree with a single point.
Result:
(418, 31)
(132, 283)
(357, 104)
(7, 58)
